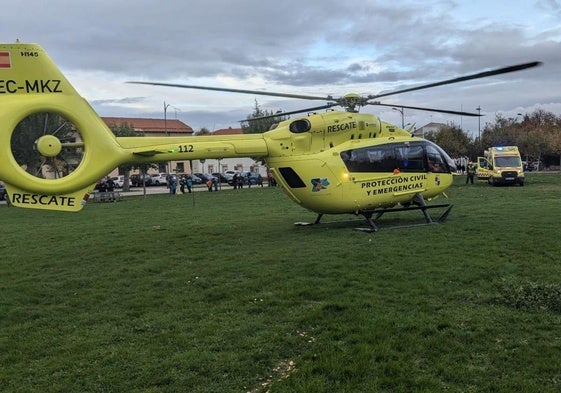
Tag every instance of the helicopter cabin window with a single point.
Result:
(410, 158)
(406, 157)
(300, 126)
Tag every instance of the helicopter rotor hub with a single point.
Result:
(48, 145)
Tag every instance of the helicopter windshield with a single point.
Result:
(419, 156)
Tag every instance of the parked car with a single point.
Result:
(160, 179)
(137, 180)
(204, 176)
(196, 179)
(223, 178)
(119, 181)
(251, 178)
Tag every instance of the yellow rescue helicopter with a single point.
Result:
(329, 162)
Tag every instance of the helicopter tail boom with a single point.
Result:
(152, 149)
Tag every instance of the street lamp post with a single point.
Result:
(168, 165)
(402, 116)
(478, 109)
(166, 106)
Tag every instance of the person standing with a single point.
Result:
(470, 172)
(182, 184)
(172, 185)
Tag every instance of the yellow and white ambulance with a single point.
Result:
(501, 165)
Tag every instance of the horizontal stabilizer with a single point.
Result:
(149, 153)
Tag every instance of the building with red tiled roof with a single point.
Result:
(151, 127)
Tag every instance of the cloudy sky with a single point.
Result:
(315, 47)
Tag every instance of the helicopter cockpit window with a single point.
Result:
(300, 126)
(438, 160)
(434, 160)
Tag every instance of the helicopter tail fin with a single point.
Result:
(45, 126)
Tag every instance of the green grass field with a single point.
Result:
(160, 294)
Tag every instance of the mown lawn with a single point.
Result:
(223, 294)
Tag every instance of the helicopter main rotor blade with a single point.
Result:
(242, 91)
(428, 109)
(483, 74)
(278, 114)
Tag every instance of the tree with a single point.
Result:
(452, 139)
(504, 132)
(203, 131)
(537, 135)
(541, 134)
(255, 125)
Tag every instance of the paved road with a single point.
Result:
(135, 191)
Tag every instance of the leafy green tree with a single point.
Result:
(256, 125)
(540, 134)
(503, 132)
(537, 135)
(452, 139)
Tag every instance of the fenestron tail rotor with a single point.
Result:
(47, 145)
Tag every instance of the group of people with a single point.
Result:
(106, 185)
(185, 182)
(238, 181)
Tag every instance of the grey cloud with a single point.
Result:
(373, 45)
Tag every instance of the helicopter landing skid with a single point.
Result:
(372, 227)
(306, 224)
(371, 221)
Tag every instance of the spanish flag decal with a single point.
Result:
(5, 60)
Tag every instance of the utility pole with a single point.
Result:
(478, 109)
